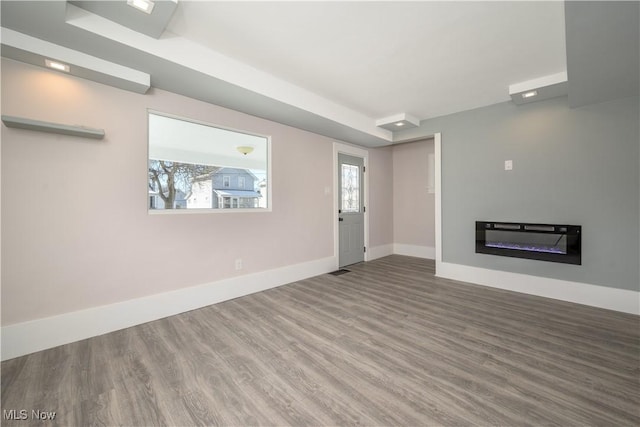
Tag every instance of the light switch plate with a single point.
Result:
(508, 165)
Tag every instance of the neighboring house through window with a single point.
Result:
(239, 194)
(195, 165)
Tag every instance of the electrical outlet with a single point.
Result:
(239, 264)
(508, 165)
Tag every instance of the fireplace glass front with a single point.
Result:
(545, 242)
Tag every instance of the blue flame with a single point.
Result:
(529, 248)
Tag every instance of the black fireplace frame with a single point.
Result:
(573, 233)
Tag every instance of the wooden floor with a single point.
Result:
(386, 344)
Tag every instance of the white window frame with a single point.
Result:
(269, 176)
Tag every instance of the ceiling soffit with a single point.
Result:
(151, 24)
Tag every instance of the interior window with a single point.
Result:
(194, 165)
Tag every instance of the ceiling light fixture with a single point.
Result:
(398, 121)
(56, 65)
(145, 6)
(539, 89)
(245, 149)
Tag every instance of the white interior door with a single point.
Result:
(350, 209)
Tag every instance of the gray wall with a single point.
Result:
(573, 166)
(603, 50)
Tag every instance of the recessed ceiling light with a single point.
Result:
(56, 65)
(397, 121)
(529, 94)
(144, 5)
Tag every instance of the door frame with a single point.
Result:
(437, 145)
(340, 148)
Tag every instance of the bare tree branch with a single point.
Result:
(169, 178)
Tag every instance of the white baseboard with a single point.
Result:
(623, 300)
(35, 335)
(414, 250)
(376, 252)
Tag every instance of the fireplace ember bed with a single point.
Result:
(542, 242)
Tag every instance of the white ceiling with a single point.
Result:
(197, 143)
(382, 58)
(332, 68)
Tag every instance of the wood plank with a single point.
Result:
(386, 344)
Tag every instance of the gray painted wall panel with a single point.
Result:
(573, 166)
(603, 50)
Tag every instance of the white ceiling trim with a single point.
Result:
(197, 57)
(34, 51)
(539, 82)
(398, 122)
(546, 87)
(152, 23)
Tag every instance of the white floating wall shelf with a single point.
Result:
(37, 125)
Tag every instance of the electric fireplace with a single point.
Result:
(543, 242)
